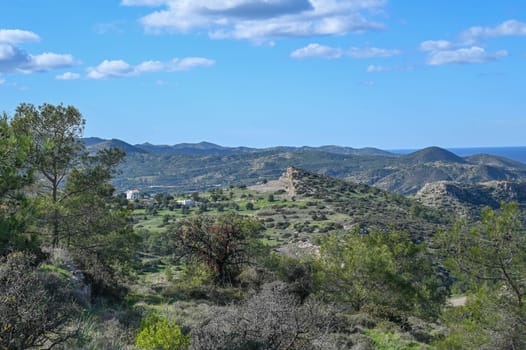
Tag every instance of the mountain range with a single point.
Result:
(194, 167)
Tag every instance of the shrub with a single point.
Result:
(157, 332)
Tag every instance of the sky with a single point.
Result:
(390, 74)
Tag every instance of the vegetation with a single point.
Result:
(304, 262)
(157, 332)
(489, 260)
(385, 273)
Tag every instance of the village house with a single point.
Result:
(132, 195)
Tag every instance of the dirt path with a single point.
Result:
(457, 301)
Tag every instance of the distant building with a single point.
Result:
(187, 202)
(132, 195)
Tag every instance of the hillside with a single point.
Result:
(346, 205)
(468, 199)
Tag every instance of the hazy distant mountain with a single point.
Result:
(433, 154)
(94, 144)
(207, 148)
(190, 167)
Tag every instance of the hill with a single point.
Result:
(346, 204)
(196, 167)
(94, 144)
(468, 199)
(432, 154)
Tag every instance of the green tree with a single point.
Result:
(387, 271)
(99, 229)
(489, 261)
(56, 134)
(15, 175)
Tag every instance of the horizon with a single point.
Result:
(396, 75)
(299, 146)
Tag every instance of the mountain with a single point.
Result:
(94, 144)
(468, 199)
(495, 161)
(433, 154)
(207, 148)
(201, 148)
(197, 166)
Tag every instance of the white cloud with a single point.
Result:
(372, 52)
(2, 81)
(434, 45)
(507, 28)
(466, 49)
(473, 54)
(15, 60)
(48, 61)
(378, 69)
(68, 76)
(261, 20)
(120, 68)
(317, 50)
(14, 36)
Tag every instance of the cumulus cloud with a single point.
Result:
(317, 50)
(68, 76)
(261, 20)
(14, 36)
(120, 68)
(15, 60)
(473, 54)
(465, 50)
(507, 28)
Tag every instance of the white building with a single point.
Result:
(132, 195)
(187, 202)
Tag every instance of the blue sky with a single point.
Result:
(384, 73)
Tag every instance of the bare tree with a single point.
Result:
(273, 319)
(36, 308)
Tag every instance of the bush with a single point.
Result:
(272, 319)
(157, 332)
(37, 308)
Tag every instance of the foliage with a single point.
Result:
(98, 228)
(387, 271)
(225, 243)
(37, 307)
(55, 132)
(489, 261)
(15, 174)
(157, 332)
(390, 341)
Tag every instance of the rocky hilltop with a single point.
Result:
(468, 199)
